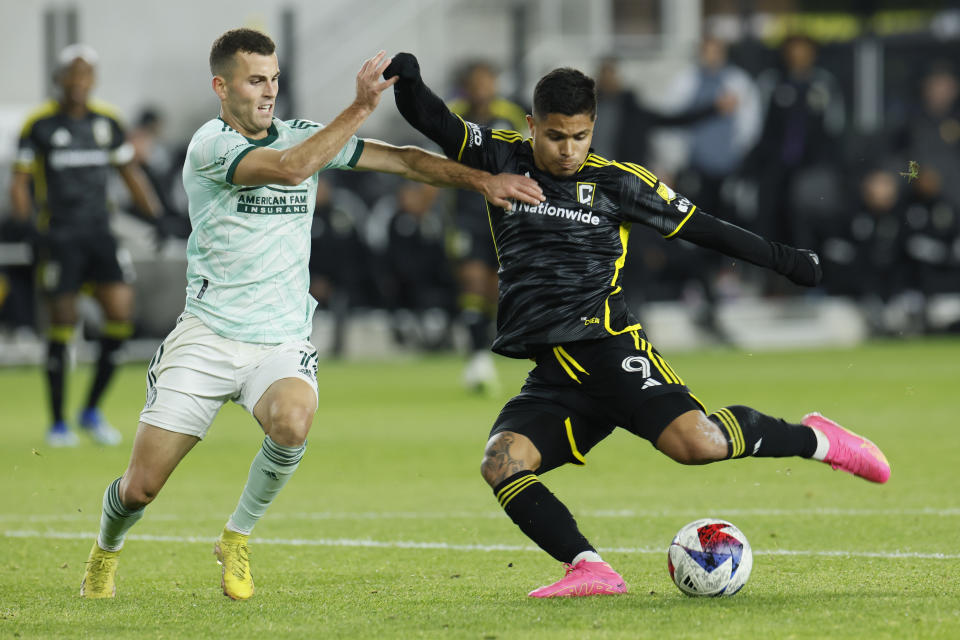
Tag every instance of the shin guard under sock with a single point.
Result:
(751, 433)
(541, 516)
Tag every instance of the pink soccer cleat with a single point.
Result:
(583, 579)
(850, 452)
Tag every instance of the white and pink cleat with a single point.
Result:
(583, 579)
(850, 452)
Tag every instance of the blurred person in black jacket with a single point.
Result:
(932, 235)
(340, 272)
(863, 247)
(421, 288)
(802, 124)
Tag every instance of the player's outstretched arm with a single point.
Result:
(422, 108)
(417, 164)
(144, 197)
(294, 165)
(800, 266)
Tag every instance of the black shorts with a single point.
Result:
(69, 258)
(580, 392)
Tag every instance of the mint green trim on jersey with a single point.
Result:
(356, 155)
(236, 161)
(249, 250)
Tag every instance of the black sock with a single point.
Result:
(106, 364)
(541, 516)
(56, 374)
(751, 433)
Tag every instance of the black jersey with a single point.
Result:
(561, 262)
(70, 159)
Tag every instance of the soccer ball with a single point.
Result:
(709, 557)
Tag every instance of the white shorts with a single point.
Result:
(195, 371)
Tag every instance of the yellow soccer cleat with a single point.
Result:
(98, 577)
(233, 556)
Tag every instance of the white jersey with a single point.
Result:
(249, 251)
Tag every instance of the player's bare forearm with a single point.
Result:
(20, 199)
(145, 199)
(417, 164)
(497, 189)
(294, 165)
(314, 153)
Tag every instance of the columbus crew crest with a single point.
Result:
(585, 191)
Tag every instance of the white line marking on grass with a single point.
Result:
(446, 546)
(589, 513)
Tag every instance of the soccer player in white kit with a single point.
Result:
(251, 182)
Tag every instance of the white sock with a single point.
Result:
(115, 519)
(589, 556)
(823, 445)
(271, 468)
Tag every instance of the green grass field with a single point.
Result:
(388, 531)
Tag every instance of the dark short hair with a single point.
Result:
(236, 40)
(565, 91)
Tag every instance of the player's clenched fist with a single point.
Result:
(403, 66)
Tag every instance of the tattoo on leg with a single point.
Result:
(499, 462)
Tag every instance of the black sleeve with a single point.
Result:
(466, 142)
(654, 204)
(691, 116)
(800, 266)
(422, 108)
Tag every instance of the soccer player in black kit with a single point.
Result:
(561, 305)
(67, 149)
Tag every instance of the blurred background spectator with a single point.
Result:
(419, 285)
(342, 277)
(799, 140)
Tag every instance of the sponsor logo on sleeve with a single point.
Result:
(474, 135)
(683, 205)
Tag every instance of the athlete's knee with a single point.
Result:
(692, 438)
(289, 422)
(137, 492)
(506, 454)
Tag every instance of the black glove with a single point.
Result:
(404, 65)
(800, 266)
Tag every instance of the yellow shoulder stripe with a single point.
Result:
(45, 110)
(506, 135)
(104, 109)
(642, 170)
(643, 175)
